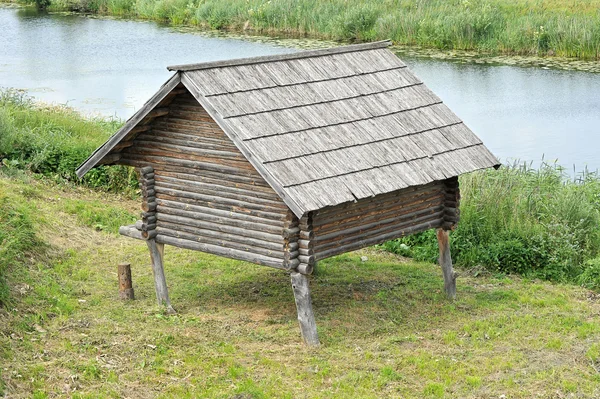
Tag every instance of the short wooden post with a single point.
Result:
(306, 317)
(445, 261)
(160, 282)
(125, 283)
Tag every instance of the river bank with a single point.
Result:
(565, 28)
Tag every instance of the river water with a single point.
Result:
(111, 67)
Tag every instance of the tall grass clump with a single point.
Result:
(568, 28)
(536, 222)
(54, 140)
(17, 238)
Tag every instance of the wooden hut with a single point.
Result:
(289, 159)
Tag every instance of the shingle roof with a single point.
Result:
(330, 126)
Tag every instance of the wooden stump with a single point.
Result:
(445, 261)
(306, 317)
(160, 282)
(125, 282)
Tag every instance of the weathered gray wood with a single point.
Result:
(139, 224)
(353, 245)
(131, 231)
(210, 215)
(445, 261)
(306, 317)
(218, 250)
(305, 268)
(225, 231)
(160, 282)
(226, 241)
(129, 125)
(281, 57)
(191, 86)
(125, 282)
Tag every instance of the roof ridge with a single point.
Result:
(282, 57)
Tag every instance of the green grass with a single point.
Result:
(54, 140)
(536, 222)
(387, 329)
(568, 28)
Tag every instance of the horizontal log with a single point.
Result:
(304, 268)
(221, 183)
(157, 113)
(148, 193)
(148, 226)
(149, 234)
(146, 169)
(309, 260)
(292, 246)
(262, 222)
(306, 251)
(292, 264)
(147, 177)
(289, 233)
(378, 213)
(383, 198)
(149, 206)
(148, 183)
(209, 200)
(110, 159)
(147, 151)
(223, 240)
(221, 251)
(137, 159)
(123, 144)
(270, 217)
(391, 229)
(378, 239)
(255, 180)
(190, 149)
(305, 243)
(370, 223)
(214, 194)
(131, 231)
(138, 225)
(384, 204)
(146, 215)
(149, 219)
(140, 128)
(215, 230)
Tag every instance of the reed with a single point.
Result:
(567, 28)
(539, 222)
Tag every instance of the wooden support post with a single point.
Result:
(306, 317)
(445, 261)
(160, 282)
(125, 283)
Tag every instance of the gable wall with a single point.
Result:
(207, 192)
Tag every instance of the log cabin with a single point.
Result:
(286, 160)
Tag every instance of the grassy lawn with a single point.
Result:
(386, 328)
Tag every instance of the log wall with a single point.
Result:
(208, 196)
(371, 221)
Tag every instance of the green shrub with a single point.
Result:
(53, 141)
(590, 278)
(536, 222)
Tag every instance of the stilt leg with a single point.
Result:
(160, 282)
(446, 263)
(306, 317)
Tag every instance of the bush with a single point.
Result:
(590, 278)
(54, 140)
(536, 222)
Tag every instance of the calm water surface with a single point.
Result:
(112, 67)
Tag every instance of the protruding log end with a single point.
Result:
(125, 282)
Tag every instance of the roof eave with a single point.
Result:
(102, 151)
